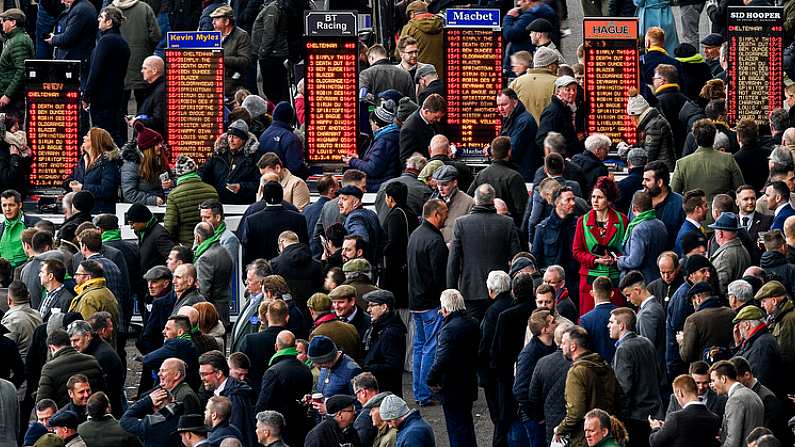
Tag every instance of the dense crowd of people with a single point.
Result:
(652, 307)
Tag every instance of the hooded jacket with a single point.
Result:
(224, 168)
(142, 34)
(656, 137)
(427, 29)
(18, 47)
(182, 209)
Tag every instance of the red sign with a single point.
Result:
(611, 63)
(331, 94)
(473, 76)
(195, 102)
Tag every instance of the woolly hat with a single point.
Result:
(405, 108)
(83, 201)
(544, 57)
(393, 407)
(692, 240)
(239, 129)
(685, 50)
(386, 111)
(146, 137)
(519, 264)
(138, 214)
(695, 263)
(321, 349)
(255, 105)
(186, 165)
(636, 105)
(284, 112)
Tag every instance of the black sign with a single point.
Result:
(52, 90)
(331, 23)
(611, 61)
(756, 78)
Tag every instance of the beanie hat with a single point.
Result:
(390, 93)
(138, 213)
(321, 349)
(83, 201)
(544, 57)
(239, 129)
(405, 108)
(695, 263)
(146, 137)
(255, 105)
(685, 50)
(35, 431)
(386, 111)
(393, 407)
(636, 105)
(283, 112)
(692, 240)
(186, 164)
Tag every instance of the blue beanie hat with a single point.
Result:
(284, 112)
(35, 431)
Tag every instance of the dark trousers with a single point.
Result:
(140, 95)
(110, 119)
(460, 427)
(274, 79)
(493, 401)
(638, 432)
(477, 308)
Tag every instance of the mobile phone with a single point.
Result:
(164, 177)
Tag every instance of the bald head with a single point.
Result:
(440, 145)
(152, 68)
(191, 313)
(285, 339)
(203, 231)
(186, 270)
(788, 139)
(175, 364)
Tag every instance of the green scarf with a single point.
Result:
(591, 243)
(286, 352)
(641, 217)
(111, 235)
(185, 336)
(187, 176)
(152, 222)
(201, 248)
(11, 243)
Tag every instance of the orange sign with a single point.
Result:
(610, 28)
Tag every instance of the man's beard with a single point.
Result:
(654, 191)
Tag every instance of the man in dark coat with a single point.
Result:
(337, 427)
(553, 238)
(152, 111)
(260, 346)
(384, 343)
(214, 371)
(636, 160)
(710, 326)
(398, 225)
(178, 343)
(261, 230)
(752, 158)
(505, 176)
(429, 83)
(591, 160)
(74, 35)
(361, 222)
(418, 192)
(758, 346)
(65, 363)
(693, 425)
(232, 168)
(295, 264)
(482, 241)
(419, 128)
(154, 242)
(545, 396)
(521, 127)
(670, 101)
(284, 385)
(558, 116)
(104, 88)
(84, 340)
(774, 260)
(454, 374)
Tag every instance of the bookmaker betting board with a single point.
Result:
(331, 85)
(195, 93)
(756, 77)
(611, 69)
(473, 75)
(52, 90)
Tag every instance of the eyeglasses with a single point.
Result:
(80, 274)
(207, 373)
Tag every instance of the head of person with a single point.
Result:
(256, 272)
(376, 53)
(574, 342)
(748, 320)
(598, 144)
(722, 376)
(396, 194)
(622, 320)
(393, 410)
(746, 199)
(501, 148)
(451, 301)
(633, 286)
(433, 108)
(695, 204)
(269, 428)
(636, 105)
(88, 270)
(542, 323)
(176, 326)
(597, 425)
(423, 77)
(711, 44)
(223, 19)
(555, 277)
(270, 163)
(655, 37)
(601, 289)
(12, 19)
(80, 335)
(771, 296)
(521, 61)
(507, 101)
(343, 300)
(353, 247)
(435, 211)
(726, 227)
(563, 201)
(11, 202)
(192, 430)
(777, 194)
(212, 212)
(446, 180)
(45, 409)
(185, 278)
(152, 69)
(566, 89)
(275, 287)
(217, 410)
(545, 297)
(685, 389)
(213, 369)
(171, 373)
(704, 132)
(18, 294)
(655, 178)
(484, 195)
(79, 389)
(286, 239)
(138, 216)
(350, 199)
(323, 351)
(665, 74)
(365, 387)
(334, 277)
(110, 17)
(604, 194)
(497, 283)
(379, 303)
(409, 50)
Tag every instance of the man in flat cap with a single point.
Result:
(710, 326)
(337, 427)
(347, 306)
(385, 342)
(458, 202)
(326, 323)
(64, 425)
(361, 222)
(18, 46)
(758, 346)
(781, 321)
(712, 43)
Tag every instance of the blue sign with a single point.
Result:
(194, 40)
(472, 18)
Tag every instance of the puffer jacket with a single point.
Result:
(134, 188)
(18, 47)
(590, 384)
(775, 263)
(224, 168)
(656, 137)
(142, 34)
(269, 34)
(100, 179)
(427, 29)
(381, 161)
(182, 208)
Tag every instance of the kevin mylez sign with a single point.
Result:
(472, 18)
(331, 23)
(194, 40)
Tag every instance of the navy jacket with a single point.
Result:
(381, 161)
(679, 308)
(558, 117)
(75, 32)
(363, 222)
(650, 61)
(514, 30)
(242, 415)
(221, 432)
(102, 179)
(153, 429)
(627, 187)
(180, 348)
(455, 368)
(280, 139)
(778, 220)
(105, 83)
(552, 245)
(521, 127)
(595, 322)
(385, 348)
(312, 214)
(151, 337)
(261, 231)
(645, 243)
(525, 365)
(414, 431)
(687, 227)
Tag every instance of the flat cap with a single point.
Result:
(342, 292)
(749, 313)
(699, 288)
(157, 272)
(712, 40)
(771, 289)
(339, 402)
(564, 81)
(68, 419)
(540, 26)
(376, 400)
(223, 11)
(425, 70)
(445, 174)
(351, 190)
(14, 14)
(359, 265)
(380, 296)
(319, 302)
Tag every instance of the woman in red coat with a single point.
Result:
(597, 242)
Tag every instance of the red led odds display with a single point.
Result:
(473, 75)
(611, 69)
(52, 90)
(195, 101)
(331, 92)
(756, 78)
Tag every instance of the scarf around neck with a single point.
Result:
(637, 219)
(202, 247)
(111, 235)
(188, 176)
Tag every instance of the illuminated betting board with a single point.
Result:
(756, 78)
(52, 90)
(331, 92)
(472, 74)
(611, 69)
(195, 95)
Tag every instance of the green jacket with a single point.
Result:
(17, 48)
(590, 384)
(182, 208)
(142, 34)
(607, 442)
(427, 29)
(783, 328)
(713, 171)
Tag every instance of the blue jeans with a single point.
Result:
(536, 432)
(460, 426)
(428, 324)
(44, 25)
